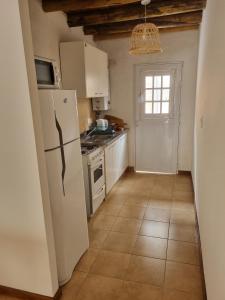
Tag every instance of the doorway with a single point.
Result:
(157, 100)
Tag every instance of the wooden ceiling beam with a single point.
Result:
(100, 37)
(134, 12)
(187, 19)
(81, 5)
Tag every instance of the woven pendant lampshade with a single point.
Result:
(145, 37)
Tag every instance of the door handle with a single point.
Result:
(62, 153)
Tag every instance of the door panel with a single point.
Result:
(62, 104)
(68, 210)
(66, 113)
(157, 117)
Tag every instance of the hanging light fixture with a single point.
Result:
(145, 37)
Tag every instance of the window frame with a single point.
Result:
(171, 98)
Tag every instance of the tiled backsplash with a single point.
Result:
(85, 112)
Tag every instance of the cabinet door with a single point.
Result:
(124, 153)
(96, 72)
(109, 168)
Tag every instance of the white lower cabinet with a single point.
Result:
(116, 161)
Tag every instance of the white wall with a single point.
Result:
(179, 46)
(49, 29)
(27, 258)
(210, 147)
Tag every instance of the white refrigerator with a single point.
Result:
(65, 178)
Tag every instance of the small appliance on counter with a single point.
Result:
(102, 124)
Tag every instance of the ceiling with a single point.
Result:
(112, 18)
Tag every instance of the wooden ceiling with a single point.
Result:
(112, 18)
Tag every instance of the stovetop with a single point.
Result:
(87, 149)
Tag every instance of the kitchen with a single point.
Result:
(100, 153)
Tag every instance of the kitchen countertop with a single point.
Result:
(102, 140)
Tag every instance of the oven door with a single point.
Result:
(97, 174)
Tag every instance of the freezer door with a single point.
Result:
(59, 116)
(68, 208)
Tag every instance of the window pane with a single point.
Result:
(166, 95)
(148, 95)
(148, 107)
(156, 108)
(157, 95)
(165, 107)
(157, 81)
(166, 81)
(148, 82)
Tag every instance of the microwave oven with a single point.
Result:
(47, 72)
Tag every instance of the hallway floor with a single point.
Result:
(143, 244)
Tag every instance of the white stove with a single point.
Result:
(94, 176)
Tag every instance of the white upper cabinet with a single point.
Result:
(84, 69)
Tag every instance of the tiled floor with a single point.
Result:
(143, 244)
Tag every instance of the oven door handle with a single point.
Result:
(97, 165)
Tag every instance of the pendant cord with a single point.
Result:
(145, 12)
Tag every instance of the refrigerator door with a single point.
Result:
(59, 117)
(68, 208)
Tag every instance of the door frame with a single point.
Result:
(137, 68)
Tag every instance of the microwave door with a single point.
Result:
(45, 73)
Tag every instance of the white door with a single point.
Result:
(157, 117)
(58, 106)
(68, 207)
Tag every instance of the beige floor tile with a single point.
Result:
(87, 260)
(102, 222)
(98, 287)
(183, 187)
(183, 277)
(146, 270)
(183, 179)
(132, 211)
(116, 199)
(72, 288)
(183, 205)
(154, 229)
(119, 242)
(137, 200)
(157, 214)
(165, 179)
(183, 216)
(183, 252)
(140, 291)
(112, 264)
(151, 247)
(177, 295)
(183, 196)
(97, 238)
(109, 209)
(127, 225)
(161, 192)
(164, 204)
(184, 233)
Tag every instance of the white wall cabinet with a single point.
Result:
(84, 69)
(116, 161)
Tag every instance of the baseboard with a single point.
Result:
(181, 172)
(200, 251)
(7, 291)
(129, 169)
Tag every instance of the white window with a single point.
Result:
(157, 94)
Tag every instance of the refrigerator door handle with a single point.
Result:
(62, 152)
